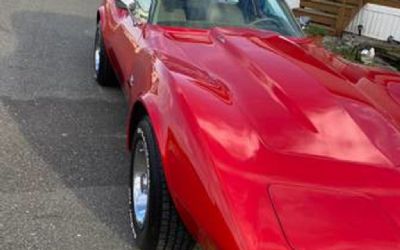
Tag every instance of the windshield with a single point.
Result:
(271, 15)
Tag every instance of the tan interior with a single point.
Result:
(216, 12)
(225, 13)
(170, 14)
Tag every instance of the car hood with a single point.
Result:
(299, 98)
(302, 142)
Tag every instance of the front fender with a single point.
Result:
(189, 170)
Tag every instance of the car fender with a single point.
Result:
(187, 164)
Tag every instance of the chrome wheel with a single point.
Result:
(152, 210)
(141, 179)
(97, 51)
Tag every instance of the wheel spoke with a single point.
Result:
(141, 179)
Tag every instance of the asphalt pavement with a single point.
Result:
(63, 162)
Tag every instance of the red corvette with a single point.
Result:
(246, 135)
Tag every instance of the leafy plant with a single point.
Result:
(347, 53)
(313, 30)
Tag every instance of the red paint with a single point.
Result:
(267, 142)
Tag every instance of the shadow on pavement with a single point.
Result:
(76, 127)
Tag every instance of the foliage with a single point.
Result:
(313, 30)
(346, 52)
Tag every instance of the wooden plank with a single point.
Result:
(317, 17)
(334, 14)
(330, 2)
(317, 12)
(348, 2)
(325, 6)
(327, 28)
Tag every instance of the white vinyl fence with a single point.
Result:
(378, 21)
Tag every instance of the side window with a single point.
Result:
(142, 9)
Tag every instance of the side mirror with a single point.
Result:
(304, 21)
(126, 4)
(137, 12)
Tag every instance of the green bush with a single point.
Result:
(312, 30)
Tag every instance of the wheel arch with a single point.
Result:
(100, 16)
(141, 108)
(138, 111)
(148, 105)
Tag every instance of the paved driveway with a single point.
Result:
(63, 163)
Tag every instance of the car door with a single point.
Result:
(133, 16)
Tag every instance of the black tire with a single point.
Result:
(103, 71)
(162, 228)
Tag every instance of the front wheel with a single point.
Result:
(155, 221)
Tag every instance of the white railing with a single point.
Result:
(378, 22)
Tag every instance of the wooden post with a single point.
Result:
(340, 19)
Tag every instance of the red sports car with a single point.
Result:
(245, 134)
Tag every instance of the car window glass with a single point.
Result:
(273, 15)
(142, 9)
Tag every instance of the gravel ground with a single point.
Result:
(63, 163)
